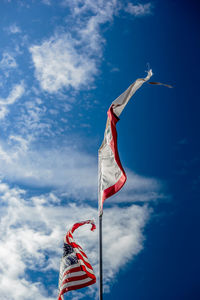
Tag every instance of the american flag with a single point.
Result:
(75, 269)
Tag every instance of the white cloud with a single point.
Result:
(68, 169)
(22, 143)
(16, 93)
(8, 61)
(31, 234)
(31, 120)
(64, 167)
(139, 9)
(47, 2)
(123, 238)
(115, 69)
(14, 29)
(140, 189)
(3, 112)
(59, 64)
(70, 60)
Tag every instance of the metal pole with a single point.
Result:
(100, 260)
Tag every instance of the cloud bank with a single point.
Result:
(32, 231)
(65, 169)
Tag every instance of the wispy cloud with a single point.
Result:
(3, 112)
(32, 231)
(15, 94)
(70, 60)
(60, 168)
(47, 2)
(64, 168)
(7, 61)
(140, 189)
(14, 29)
(31, 119)
(139, 9)
(59, 64)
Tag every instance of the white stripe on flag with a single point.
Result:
(74, 283)
(74, 274)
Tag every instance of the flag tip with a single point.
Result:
(159, 83)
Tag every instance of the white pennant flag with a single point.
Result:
(111, 173)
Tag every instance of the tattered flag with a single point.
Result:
(75, 269)
(111, 173)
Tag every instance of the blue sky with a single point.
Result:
(62, 63)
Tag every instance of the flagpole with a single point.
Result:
(100, 260)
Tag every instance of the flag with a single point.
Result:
(111, 175)
(75, 269)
